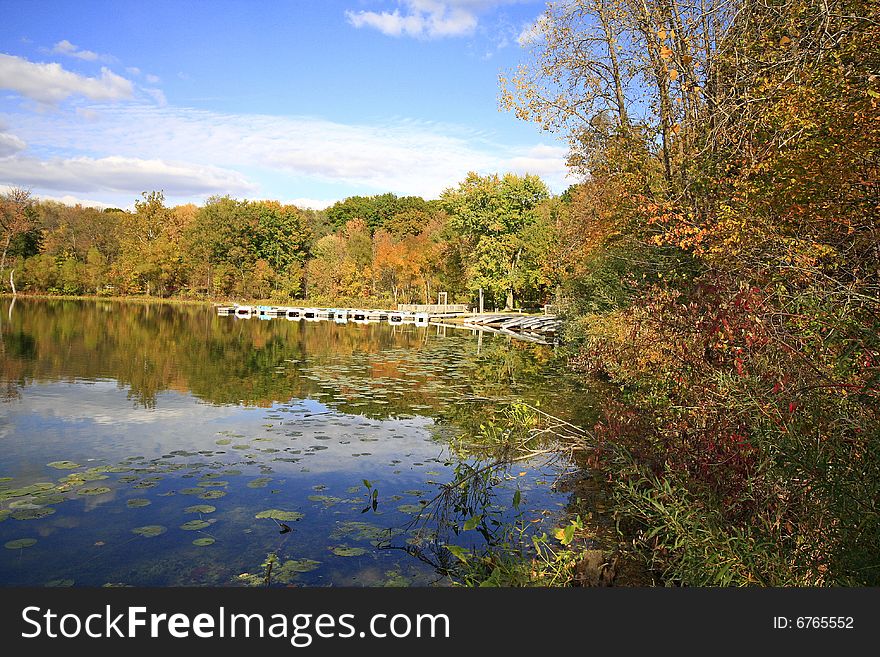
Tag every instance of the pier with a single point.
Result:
(534, 328)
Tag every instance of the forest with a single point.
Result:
(489, 232)
(717, 265)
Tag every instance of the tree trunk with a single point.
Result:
(12, 282)
(5, 247)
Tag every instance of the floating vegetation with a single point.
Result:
(19, 543)
(410, 508)
(212, 494)
(278, 514)
(260, 482)
(211, 483)
(59, 583)
(288, 571)
(363, 531)
(33, 489)
(327, 500)
(137, 502)
(4, 514)
(201, 542)
(345, 551)
(194, 525)
(64, 465)
(32, 514)
(99, 490)
(200, 508)
(149, 531)
(191, 491)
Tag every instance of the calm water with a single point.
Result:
(139, 444)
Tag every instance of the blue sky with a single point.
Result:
(303, 101)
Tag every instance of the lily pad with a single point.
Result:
(149, 531)
(210, 483)
(278, 514)
(410, 508)
(223, 441)
(19, 543)
(99, 490)
(212, 494)
(345, 551)
(194, 525)
(137, 502)
(201, 542)
(32, 514)
(200, 508)
(287, 571)
(260, 482)
(64, 465)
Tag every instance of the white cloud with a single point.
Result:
(65, 47)
(311, 203)
(10, 144)
(50, 83)
(533, 32)
(156, 94)
(120, 174)
(67, 199)
(293, 153)
(153, 79)
(133, 70)
(427, 18)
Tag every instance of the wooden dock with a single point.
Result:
(534, 328)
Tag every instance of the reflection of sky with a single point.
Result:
(96, 423)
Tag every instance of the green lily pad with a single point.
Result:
(33, 489)
(209, 483)
(201, 542)
(212, 494)
(200, 508)
(4, 514)
(99, 490)
(32, 514)
(410, 508)
(194, 525)
(287, 572)
(149, 531)
(345, 551)
(278, 514)
(64, 465)
(223, 441)
(19, 543)
(137, 502)
(260, 482)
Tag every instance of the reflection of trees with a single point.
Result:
(150, 348)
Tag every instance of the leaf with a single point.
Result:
(661, 34)
(673, 74)
(458, 552)
(665, 52)
(517, 498)
(784, 41)
(472, 522)
(367, 483)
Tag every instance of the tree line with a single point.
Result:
(486, 233)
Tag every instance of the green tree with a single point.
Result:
(493, 215)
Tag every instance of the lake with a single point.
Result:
(154, 444)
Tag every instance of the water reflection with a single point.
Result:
(118, 417)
